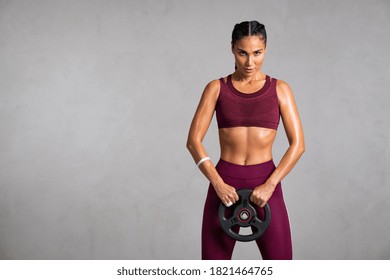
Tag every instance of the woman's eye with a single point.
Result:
(242, 53)
(257, 53)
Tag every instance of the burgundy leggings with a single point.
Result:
(275, 244)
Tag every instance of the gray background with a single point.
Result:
(96, 98)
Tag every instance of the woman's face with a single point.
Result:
(249, 55)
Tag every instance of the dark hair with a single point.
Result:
(249, 28)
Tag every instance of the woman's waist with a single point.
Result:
(246, 156)
(249, 170)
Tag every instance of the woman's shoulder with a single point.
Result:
(212, 88)
(282, 85)
(215, 85)
(283, 89)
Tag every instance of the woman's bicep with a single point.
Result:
(289, 113)
(204, 112)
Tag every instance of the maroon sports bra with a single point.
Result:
(260, 109)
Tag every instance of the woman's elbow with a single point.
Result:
(189, 145)
(301, 148)
(298, 147)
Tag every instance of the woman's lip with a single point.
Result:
(249, 69)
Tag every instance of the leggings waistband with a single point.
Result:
(233, 170)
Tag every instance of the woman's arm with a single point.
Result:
(199, 126)
(294, 132)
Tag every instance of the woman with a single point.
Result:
(248, 105)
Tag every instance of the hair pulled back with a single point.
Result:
(249, 28)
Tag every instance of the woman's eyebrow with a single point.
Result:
(241, 50)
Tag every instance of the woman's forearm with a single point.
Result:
(288, 161)
(198, 152)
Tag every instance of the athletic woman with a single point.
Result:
(248, 106)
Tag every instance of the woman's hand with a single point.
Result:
(262, 194)
(226, 193)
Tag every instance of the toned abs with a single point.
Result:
(246, 145)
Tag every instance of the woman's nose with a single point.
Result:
(249, 61)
